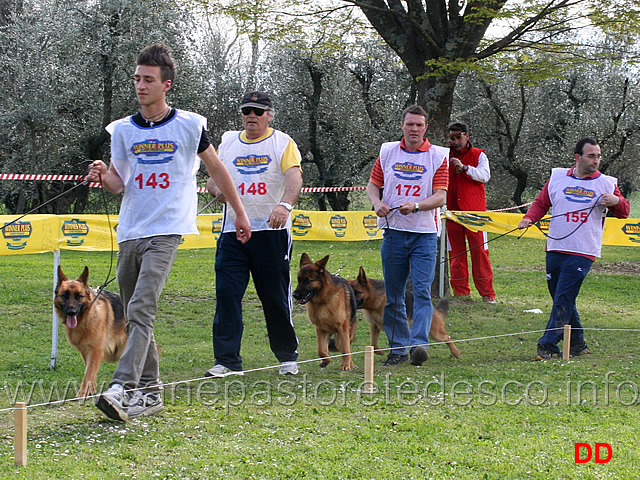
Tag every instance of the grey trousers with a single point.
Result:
(143, 268)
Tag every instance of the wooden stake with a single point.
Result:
(21, 433)
(566, 343)
(368, 386)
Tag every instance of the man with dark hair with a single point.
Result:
(155, 155)
(265, 166)
(580, 197)
(468, 172)
(412, 175)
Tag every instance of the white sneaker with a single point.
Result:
(219, 370)
(288, 368)
(114, 403)
(143, 404)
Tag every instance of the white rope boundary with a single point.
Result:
(269, 367)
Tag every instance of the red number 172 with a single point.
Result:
(409, 190)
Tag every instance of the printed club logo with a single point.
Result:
(370, 223)
(544, 226)
(408, 171)
(579, 195)
(16, 234)
(300, 225)
(338, 224)
(584, 453)
(473, 220)
(216, 228)
(154, 152)
(75, 232)
(632, 231)
(252, 164)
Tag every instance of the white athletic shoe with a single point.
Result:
(288, 368)
(143, 404)
(219, 370)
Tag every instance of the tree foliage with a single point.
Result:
(529, 89)
(527, 129)
(66, 70)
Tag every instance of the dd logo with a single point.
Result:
(589, 452)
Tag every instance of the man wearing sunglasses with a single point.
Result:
(265, 166)
(468, 173)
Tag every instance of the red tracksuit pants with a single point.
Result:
(480, 263)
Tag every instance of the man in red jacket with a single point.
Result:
(468, 172)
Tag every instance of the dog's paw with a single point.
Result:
(86, 390)
(323, 364)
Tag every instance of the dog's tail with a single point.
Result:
(441, 310)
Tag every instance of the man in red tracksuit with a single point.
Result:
(468, 172)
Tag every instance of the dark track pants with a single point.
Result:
(267, 257)
(565, 274)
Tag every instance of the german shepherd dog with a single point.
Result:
(371, 297)
(331, 307)
(94, 325)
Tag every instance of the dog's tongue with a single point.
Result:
(72, 322)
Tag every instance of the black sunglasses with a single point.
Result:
(257, 111)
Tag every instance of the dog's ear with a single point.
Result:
(362, 278)
(322, 263)
(84, 278)
(304, 259)
(61, 276)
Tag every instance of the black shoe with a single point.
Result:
(419, 356)
(395, 359)
(544, 354)
(579, 350)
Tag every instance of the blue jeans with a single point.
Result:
(565, 274)
(404, 254)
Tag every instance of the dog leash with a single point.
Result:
(84, 182)
(107, 281)
(210, 203)
(367, 241)
(537, 224)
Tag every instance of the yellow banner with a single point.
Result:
(47, 233)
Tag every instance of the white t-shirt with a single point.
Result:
(158, 166)
(257, 168)
(408, 177)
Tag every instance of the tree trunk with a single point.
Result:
(435, 94)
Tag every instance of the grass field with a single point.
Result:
(492, 414)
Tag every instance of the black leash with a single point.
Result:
(106, 281)
(367, 241)
(104, 198)
(591, 208)
(84, 182)
(595, 204)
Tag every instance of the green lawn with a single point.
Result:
(492, 414)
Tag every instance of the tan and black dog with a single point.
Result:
(331, 308)
(96, 327)
(371, 297)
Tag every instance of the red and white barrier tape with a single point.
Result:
(510, 208)
(67, 178)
